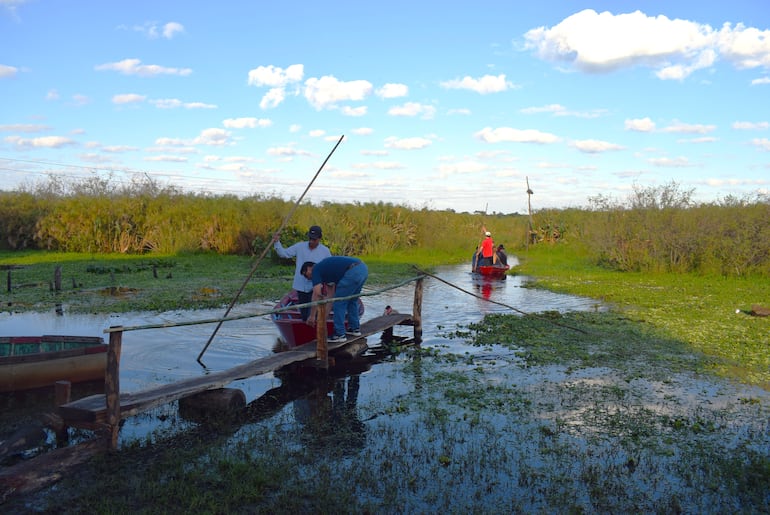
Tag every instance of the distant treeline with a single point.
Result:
(654, 229)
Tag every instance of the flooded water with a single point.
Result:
(163, 355)
(158, 356)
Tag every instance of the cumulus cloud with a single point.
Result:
(135, 67)
(594, 146)
(640, 125)
(427, 112)
(603, 42)
(327, 92)
(275, 77)
(508, 134)
(483, 85)
(762, 80)
(7, 72)
(392, 91)
(761, 143)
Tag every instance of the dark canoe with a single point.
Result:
(293, 330)
(28, 362)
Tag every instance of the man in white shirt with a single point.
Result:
(312, 250)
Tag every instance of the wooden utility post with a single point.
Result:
(529, 211)
(322, 349)
(112, 388)
(417, 311)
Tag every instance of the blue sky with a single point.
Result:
(442, 105)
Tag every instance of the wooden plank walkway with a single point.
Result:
(92, 410)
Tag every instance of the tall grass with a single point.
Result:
(655, 229)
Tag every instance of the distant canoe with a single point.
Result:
(494, 272)
(294, 331)
(28, 362)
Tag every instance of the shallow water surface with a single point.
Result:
(155, 356)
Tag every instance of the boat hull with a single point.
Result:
(496, 272)
(294, 331)
(29, 362)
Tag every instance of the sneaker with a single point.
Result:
(353, 332)
(336, 339)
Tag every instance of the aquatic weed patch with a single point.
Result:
(587, 339)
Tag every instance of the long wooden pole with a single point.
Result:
(267, 248)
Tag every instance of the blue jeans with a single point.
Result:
(350, 284)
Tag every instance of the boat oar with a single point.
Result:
(267, 248)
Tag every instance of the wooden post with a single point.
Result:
(9, 280)
(417, 311)
(112, 387)
(57, 278)
(322, 351)
(63, 393)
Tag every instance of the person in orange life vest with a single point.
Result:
(486, 253)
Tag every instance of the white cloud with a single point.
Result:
(751, 125)
(508, 134)
(602, 42)
(763, 80)
(640, 125)
(42, 142)
(128, 98)
(392, 91)
(275, 77)
(407, 143)
(316, 133)
(483, 85)
(246, 123)
(363, 131)
(354, 111)
(172, 28)
(413, 109)
(135, 67)
(461, 167)
(273, 98)
(745, 47)
(7, 71)
(593, 146)
(327, 92)
(689, 128)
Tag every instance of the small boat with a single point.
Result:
(496, 271)
(28, 362)
(293, 329)
(493, 271)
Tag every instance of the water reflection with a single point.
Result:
(157, 356)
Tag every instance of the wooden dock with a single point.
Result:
(91, 412)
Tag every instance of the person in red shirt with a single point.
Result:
(486, 252)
